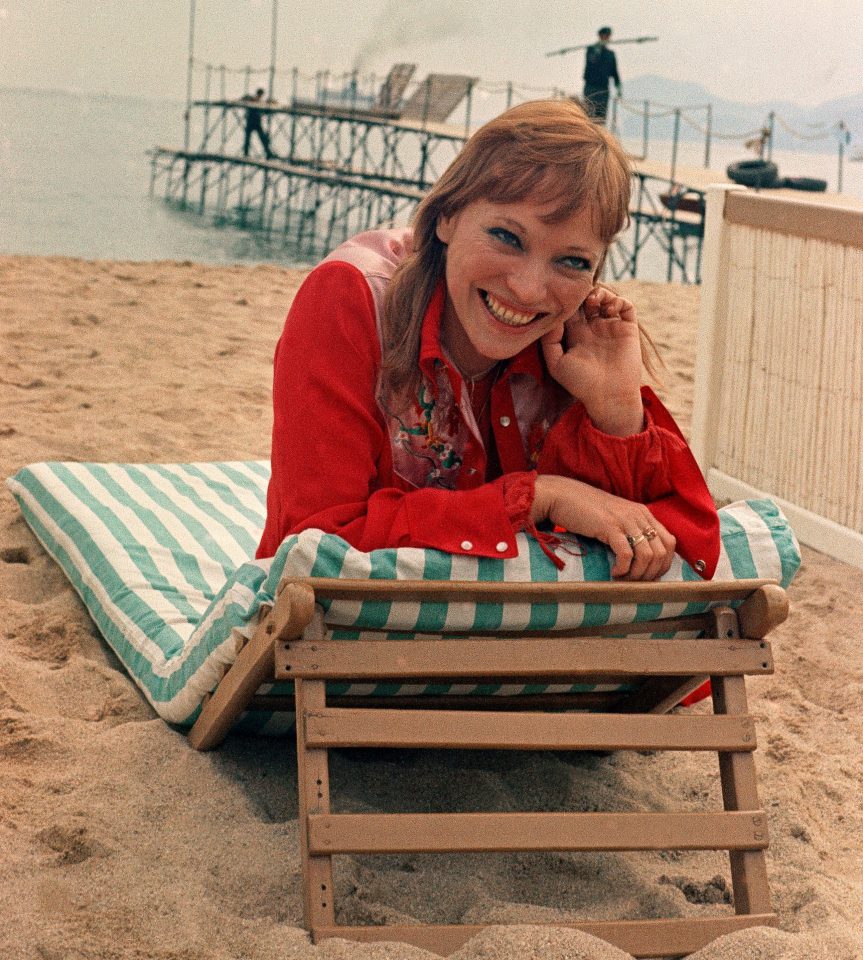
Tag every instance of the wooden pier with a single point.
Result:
(339, 168)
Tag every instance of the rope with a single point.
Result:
(639, 111)
(807, 136)
(745, 135)
(203, 64)
(517, 89)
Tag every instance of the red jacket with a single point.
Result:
(341, 464)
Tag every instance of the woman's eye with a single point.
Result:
(505, 236)
(576, 263)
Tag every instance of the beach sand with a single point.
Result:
(119, 841)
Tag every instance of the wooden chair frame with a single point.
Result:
(292, 643)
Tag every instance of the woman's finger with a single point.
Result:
(653, 548)
(641, 560)
(663, 544)
(623, 554)
(659, 560)
(552, 346)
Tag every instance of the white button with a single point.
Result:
(466, 545)
(505, 421)
(502, 546)
(471, 471)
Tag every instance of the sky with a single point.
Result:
(801, 51)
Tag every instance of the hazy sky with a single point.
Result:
(750, 50)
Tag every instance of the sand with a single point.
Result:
(119, 841)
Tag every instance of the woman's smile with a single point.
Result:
(507, 315)
(514, 272)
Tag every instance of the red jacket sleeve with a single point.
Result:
(330, 450)
(654, 467)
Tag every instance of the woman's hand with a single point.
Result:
(643, 548)
(597, 358)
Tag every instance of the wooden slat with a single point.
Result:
(802, 218)
(514, 832)
(460, 729)
(487, 592)
(640, 938)
(545, 660)
(316, 173)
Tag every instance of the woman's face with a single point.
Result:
(511, 278)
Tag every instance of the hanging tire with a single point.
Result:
(812, 184)
(754, 173)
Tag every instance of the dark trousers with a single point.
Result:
(255, 126)
(596, 103)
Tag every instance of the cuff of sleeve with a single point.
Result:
(518, 493)
(600, 437)
(470, 522)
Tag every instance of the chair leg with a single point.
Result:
(253, 666)
(739, 786)
(314, 790)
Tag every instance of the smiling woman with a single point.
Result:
(454, 383)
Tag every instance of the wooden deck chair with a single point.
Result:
(389, 96)
(436, 97)
(648, 675)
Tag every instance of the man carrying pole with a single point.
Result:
(600, 66)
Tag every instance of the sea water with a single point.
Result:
(75, 176)
(75, 179)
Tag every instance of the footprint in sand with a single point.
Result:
(24, 741)
(14, 555)
(73, 844)
(715, 890)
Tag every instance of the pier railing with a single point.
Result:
(351, 151)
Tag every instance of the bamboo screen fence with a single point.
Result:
(779, 371)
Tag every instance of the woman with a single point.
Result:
(450, 385)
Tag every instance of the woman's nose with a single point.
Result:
(528, 284)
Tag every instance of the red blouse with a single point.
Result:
(340, 464)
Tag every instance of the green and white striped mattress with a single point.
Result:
(159, 553)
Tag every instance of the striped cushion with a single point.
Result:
(159, 555)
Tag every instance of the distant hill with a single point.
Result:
(796, 128)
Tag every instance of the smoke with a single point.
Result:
(402, 24)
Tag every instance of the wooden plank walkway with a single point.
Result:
(328, 174)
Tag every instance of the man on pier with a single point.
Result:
(600, 66)
(254, 124)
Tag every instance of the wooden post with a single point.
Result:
(708, 136)
(739, 785)
(314, 796)
(189, 74)
(645, 130)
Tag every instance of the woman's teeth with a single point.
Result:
(504, 314)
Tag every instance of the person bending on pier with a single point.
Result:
(600, 66)
(255, 124)
(452, 384)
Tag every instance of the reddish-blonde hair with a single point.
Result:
(545, 149)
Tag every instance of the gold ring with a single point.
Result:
(633, 541)
(649, 533)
